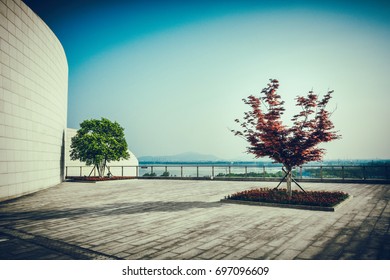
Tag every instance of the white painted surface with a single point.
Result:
(33, 102)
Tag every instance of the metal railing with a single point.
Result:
(83, 170)
(241, 172)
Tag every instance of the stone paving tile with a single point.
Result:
(210, 253)
(165, 256)
(211, 244)
(143, 255)
(186, 246)
(184, 220)
(137, 249)
(191, 254)
(261, 253)
(288, 254)
(19, 246)
(309, 253)
(238, 254)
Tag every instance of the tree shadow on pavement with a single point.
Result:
(106, 210)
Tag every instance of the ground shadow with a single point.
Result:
(107, 210)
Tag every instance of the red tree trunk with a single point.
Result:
(289, 179)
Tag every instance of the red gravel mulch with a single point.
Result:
(98, 179)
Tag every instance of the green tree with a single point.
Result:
(98, 142)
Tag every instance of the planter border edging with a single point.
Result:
(293, 206)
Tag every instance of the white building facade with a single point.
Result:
(33, 102)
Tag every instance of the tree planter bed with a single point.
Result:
(313, 200)
(98, 179)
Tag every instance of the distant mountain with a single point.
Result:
(187, 157)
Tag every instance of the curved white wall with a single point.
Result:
(33, 102)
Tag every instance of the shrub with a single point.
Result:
(150, 174)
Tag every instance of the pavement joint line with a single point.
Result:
(58, 246)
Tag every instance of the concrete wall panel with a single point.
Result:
(33, 102)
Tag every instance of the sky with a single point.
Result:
(173, 73)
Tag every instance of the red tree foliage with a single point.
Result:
(291, 146)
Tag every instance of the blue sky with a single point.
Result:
(173, 74)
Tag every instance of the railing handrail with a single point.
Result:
(341, 171)
(229, 165)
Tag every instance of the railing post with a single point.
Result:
(137, 171)
(364, 173)
(66, 171)
(246, 171)
(300, 171)
(122, 170)
(197, 171)
(181, 171)
(321, 172)
(81, 171)
(212, 171)
(230, 170)
(263, 171)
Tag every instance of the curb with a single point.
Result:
(280, 205)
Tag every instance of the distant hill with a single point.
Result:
(186, 157)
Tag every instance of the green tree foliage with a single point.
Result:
(98, 142)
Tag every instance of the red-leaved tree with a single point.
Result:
(292, 146)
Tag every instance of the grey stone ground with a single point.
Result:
(172, 219)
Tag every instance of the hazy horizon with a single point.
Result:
(188, 154)
(173, 74)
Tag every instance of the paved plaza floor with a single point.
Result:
(183, 219)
